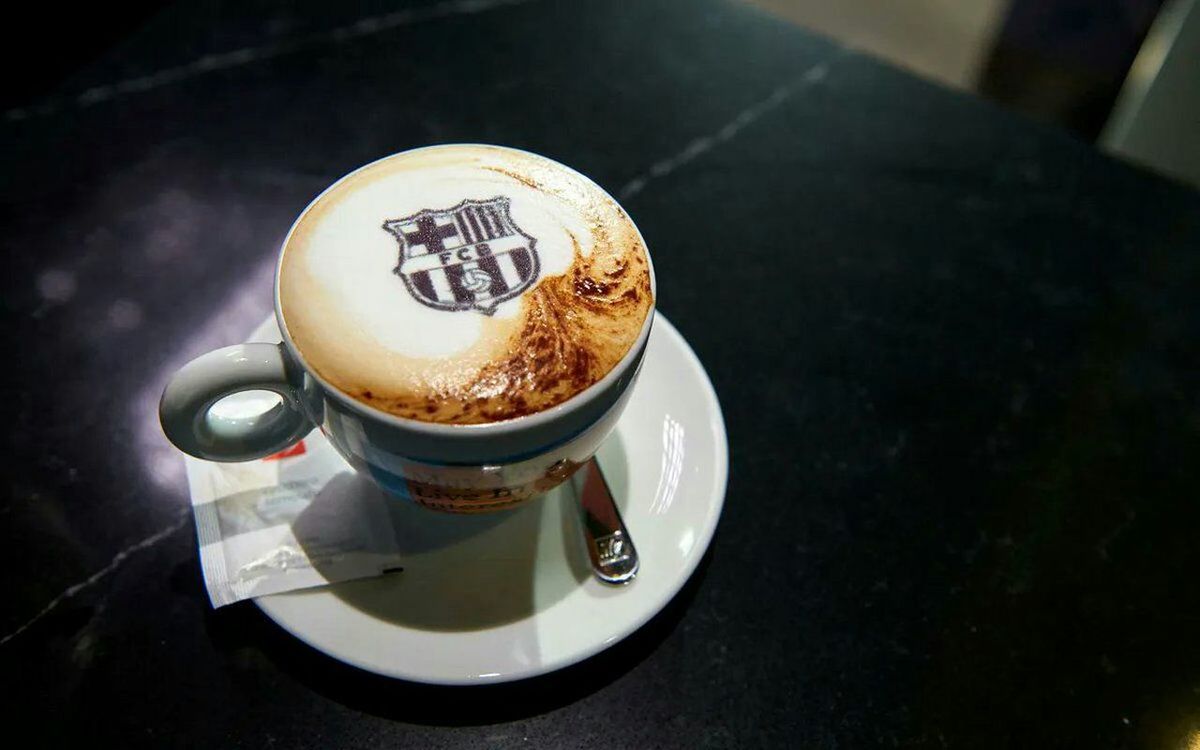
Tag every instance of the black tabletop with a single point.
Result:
(957, 354)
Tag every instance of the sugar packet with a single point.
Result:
(298, 519)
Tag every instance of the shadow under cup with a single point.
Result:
(475, 468)
(466, 573)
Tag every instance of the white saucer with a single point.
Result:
(506, 596)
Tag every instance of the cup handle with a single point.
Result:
(186, 406)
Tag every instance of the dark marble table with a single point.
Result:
(957, 354)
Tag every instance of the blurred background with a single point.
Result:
(1117, 72)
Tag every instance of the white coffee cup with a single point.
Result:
(451, 467)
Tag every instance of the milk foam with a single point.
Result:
(360, 313)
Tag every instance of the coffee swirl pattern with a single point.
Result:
(422, 322)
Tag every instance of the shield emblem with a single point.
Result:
(469, 257)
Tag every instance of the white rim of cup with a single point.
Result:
(504, 426)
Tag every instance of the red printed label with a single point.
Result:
(296, 450)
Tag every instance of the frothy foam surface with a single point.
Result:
(464, 284)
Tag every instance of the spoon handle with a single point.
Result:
(614, 558)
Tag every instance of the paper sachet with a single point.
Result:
(298, 519)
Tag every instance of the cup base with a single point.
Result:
(465, 500)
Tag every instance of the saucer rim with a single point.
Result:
(716, 422)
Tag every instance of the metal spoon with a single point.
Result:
(610, 548)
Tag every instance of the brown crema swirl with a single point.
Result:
(575, 328)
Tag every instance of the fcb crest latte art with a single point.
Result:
(464, 284)
(472, 256)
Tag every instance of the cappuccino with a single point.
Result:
(464, 284)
